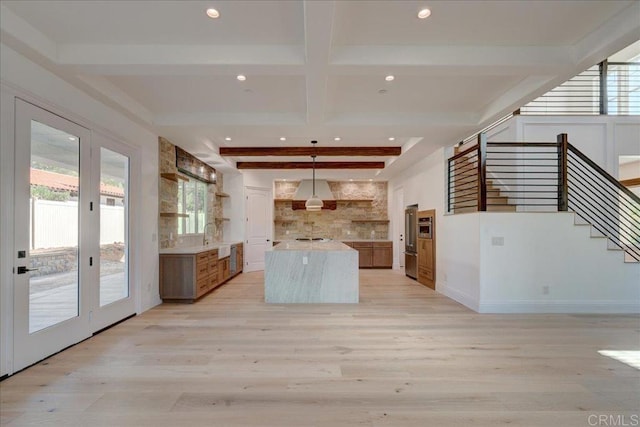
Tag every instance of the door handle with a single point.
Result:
(23, 269)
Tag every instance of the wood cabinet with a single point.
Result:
(373, 254)
(382, 254)
(186, 277)
(224, 272)
(239, 258)
(427, 253)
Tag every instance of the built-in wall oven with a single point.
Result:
(410, 243)
(424, 227)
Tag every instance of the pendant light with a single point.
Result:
(314, 204)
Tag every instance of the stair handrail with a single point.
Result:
(604, 173)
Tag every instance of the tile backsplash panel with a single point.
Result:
(367, 201)
(168, 227)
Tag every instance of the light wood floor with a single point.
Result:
(405, 356)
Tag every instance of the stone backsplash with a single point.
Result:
(359, 205)
(168, 226)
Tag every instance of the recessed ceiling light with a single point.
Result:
(382, 91)
(424, 13)
(391, 138)
(241, 77)
(282, 138)
(227, 138)
(212, 13)
(337, 138)
(389, 78)
(72, 138)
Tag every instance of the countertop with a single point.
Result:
(295, 245)
(195, 249)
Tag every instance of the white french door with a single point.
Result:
(71, 269)
(258, 208)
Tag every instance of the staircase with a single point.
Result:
(545, 177)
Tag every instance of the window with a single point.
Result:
(192, 201)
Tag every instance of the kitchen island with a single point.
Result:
(311, 272)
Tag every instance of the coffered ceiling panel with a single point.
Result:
(216, 94)
(315, 69)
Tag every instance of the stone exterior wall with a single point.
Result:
(340, 224)
(168, 196)
(62, 260)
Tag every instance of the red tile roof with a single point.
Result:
(58, 181)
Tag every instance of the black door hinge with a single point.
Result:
(90, 261)
(91, 206)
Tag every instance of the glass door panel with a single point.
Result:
(114, 260)
(53, 226)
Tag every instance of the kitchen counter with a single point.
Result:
(311, 272)
(195, 249)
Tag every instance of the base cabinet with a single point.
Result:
(373, 254)
(187, 277)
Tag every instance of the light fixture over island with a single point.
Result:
(311, 272)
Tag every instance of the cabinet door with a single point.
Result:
(382, 257)
(220, 271)
(365, 257)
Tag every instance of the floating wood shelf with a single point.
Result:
(284, 220)
(371, 220)
(173, 177)
(223, 219)
(337, 200)
(221, 194)
(173, 215)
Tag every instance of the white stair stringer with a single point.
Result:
(594, 233)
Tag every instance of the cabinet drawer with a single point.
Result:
(382, 244)
(202, 286)
(202, 257)
(202, 270)
(358, 245)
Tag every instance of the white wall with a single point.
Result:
(21, 77)
(547, 249)
(581, 274)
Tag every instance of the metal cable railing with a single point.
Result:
(602, 201)
(606, 88)
(543, 176)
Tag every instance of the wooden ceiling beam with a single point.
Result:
(309, 165)
(308, 151)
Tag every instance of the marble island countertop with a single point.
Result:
(295, 245)
(196, 249)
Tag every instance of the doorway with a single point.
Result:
(71, 234)
(259, 211)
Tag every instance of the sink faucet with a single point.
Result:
(204, 234)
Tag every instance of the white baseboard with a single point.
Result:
(561, 306)
(458, 296)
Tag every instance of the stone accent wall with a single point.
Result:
(340, 224)
(168, 196)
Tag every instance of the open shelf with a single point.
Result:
(221, 194)
(354, 200)
(382, 221)
(223, 219)
(173, 177)
(173, 215)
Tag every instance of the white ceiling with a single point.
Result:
(315, 69)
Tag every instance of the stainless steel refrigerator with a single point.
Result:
(411, 242)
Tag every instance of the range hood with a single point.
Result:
(305, 191)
